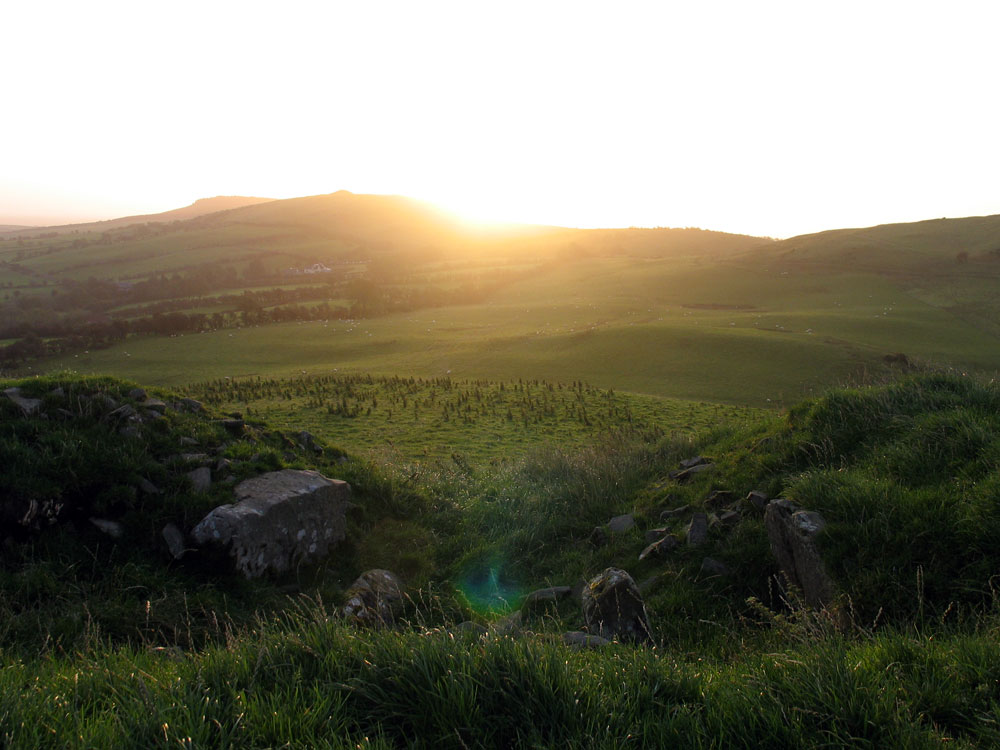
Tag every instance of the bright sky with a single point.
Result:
(764, 117)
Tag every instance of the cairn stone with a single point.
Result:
(696, 533)
(792, 534)
(281, 519)
(613, 607)
(373, 599)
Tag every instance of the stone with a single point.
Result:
(308, 442)
(543, 601)
(730, 518)
(174, 538)
(138, 394)
(112, 528)
(193, 458)
(710, 567)
(201, 479)
(124, 412)
(470, 628)
(233, 426)
(685, 474)
(613, 607)
(27, 405)
(223, 464)
(620, 524)
(757, 500)
(792, 533)
(155, 404)
(688, 463)
(696, 533)
(655, 535)
(187, 442)
(661, 547)
(281, 519)
(719, 499)
(57, 392)
(509, 624)
(599, 536)
(373, 599)
(189, 405)
(577, 639)
(148, 487)
(669, 514)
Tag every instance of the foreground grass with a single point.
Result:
(308, 681)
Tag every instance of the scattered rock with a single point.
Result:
(685, 474)
(619, 524)
(689, 463)
(28, 405)
(123, 412)
(792, 535)
(109, 403)
(138, 394)
(193, 458)
(730, 518)
(711, 567)
(510, 624)
(578, 639)
(470, 628)
(189, 405)
(174, 538)
(655, 535)
(613, 607)
(201, 479)
(661, 547)
(308, 443)
(668, 514)
(599, 536)
(112, 528)
(757, 500)
(281, 519)
(233, 426)
(187, 441)
(697, 531)
(57, 392)
(223, 464)
(148, 487)
(719, 499)
(155, 404)
(374, 598)
(543, 601)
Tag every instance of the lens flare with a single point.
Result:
(488, 589)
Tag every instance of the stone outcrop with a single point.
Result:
(281, 519)
(792, 533)
(613, 607)
(373, 599)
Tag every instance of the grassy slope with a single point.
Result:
(886, 466)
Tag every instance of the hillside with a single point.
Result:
(110, 640)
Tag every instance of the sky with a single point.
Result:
(766, 118)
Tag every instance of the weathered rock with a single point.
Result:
(792, 534)
(688, 463)
(757, 500)
(543, 601)
(655, 535)
(233, 426)
(189, 405)
(686, 474)
(174, 538)
(281, 519)
(148, 487)
(470, 628)
(374, 598)
(661, 547)
(201, 479)
(187, 441)
(697, 531)
(58, 392)
(719, 499)
(27, 405)
(138, 394)
(123, 412)
(669, 514)
(308, 442)
(710, 567)
(106, 402)
(509, 624)
(112, 528)
(730, 518)
(578, 639)
(193, 458)
(622, 523)
(613, 607)
(599, 536)
(223, 464)
(155, 404)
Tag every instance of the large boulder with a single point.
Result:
(281, 519)
(374, 598)
(792, 534)
(613, 607)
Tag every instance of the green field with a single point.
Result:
(726, 332)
